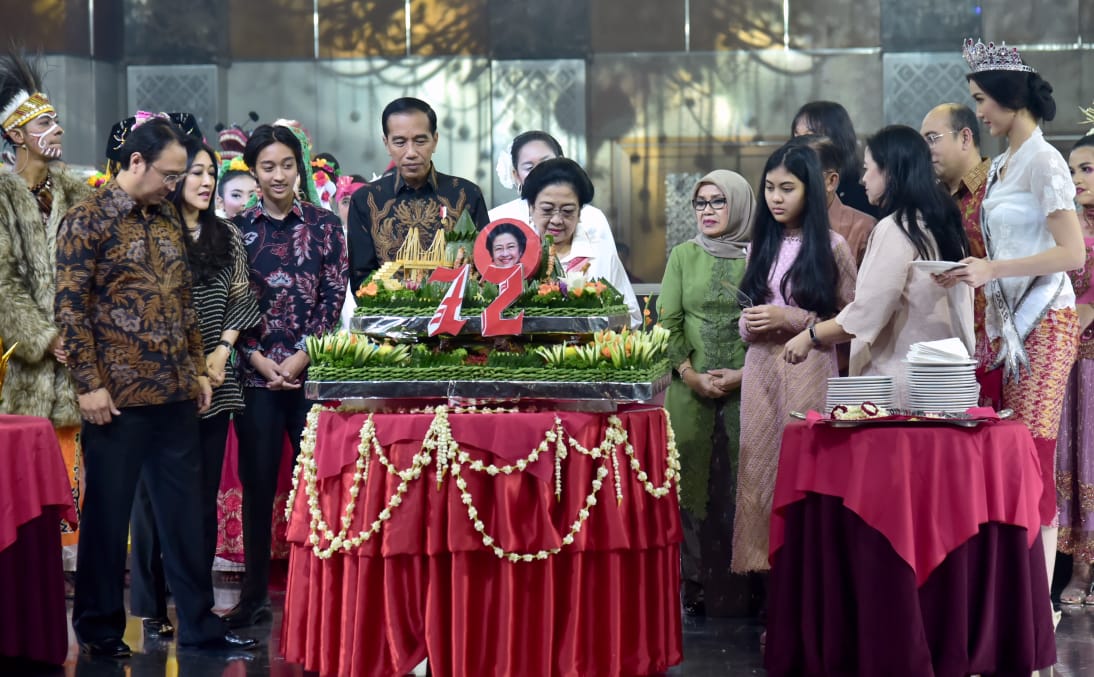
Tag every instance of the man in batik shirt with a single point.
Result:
(414, 193)
(297, 256)
(953, 134)
(124, 312)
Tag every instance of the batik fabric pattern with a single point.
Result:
(770, 390)
(123, 303)
(1037, 398)
(382, 213)
(297, 275)
(1075, 445)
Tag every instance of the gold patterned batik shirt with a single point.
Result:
(123, 304)
(969, 195)
(382, 213)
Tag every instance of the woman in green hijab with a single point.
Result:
(699, 304)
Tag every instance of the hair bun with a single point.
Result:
(1042, 103)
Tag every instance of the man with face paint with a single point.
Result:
(35, 193)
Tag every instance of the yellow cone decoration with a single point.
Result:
(4, 364)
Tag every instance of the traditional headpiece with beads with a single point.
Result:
(21, 97)
(981, 57)
(186, 122)
(25, 108)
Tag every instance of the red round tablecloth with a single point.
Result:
(926, 488)
(908, 550)
(32, 474)
(34, 495)
(606, 605)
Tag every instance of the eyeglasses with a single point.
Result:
(168, 179)
(716, 204)
(568, 213)
(932, 139)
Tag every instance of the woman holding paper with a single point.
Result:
(1033, 236)
(897, 302)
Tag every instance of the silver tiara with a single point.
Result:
(981, 57)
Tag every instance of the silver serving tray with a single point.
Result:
(487, 390)
(406, 328)
(928, 418)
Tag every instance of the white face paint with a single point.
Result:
(48, 149)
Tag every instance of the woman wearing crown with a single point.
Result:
(1032, 236)
(34, 196)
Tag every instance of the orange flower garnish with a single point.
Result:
(369, 289)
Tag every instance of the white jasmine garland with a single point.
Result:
(450, 459)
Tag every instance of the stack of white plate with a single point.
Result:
(935, 386)
(854, 390)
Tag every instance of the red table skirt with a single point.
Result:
(426, 586)
(33, 624)
(843, 602)
(593, 613)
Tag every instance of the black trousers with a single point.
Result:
(261, 427)
(147, 586)
(158, 445)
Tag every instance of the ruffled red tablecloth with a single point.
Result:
(34, 495)
(606, 605)
(908, 550)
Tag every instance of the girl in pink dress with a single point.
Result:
(798, 271)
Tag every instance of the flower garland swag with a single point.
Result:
(440, 448)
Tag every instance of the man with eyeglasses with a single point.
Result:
(414, 193)
(953, 135)
(133, 344)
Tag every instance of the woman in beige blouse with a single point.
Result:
(897, 304)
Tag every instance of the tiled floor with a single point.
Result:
(712, 648)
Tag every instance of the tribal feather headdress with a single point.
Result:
(21, 97)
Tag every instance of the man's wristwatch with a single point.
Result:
(224, 343)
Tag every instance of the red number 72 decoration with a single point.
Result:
(447, 320)
(510, 285)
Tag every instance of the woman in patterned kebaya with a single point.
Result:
(1032, 236)
(798, 271)
(1075, 445)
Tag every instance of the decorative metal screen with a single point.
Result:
(546, 95)
(916, 83)
(182, 89)
(679, 215)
